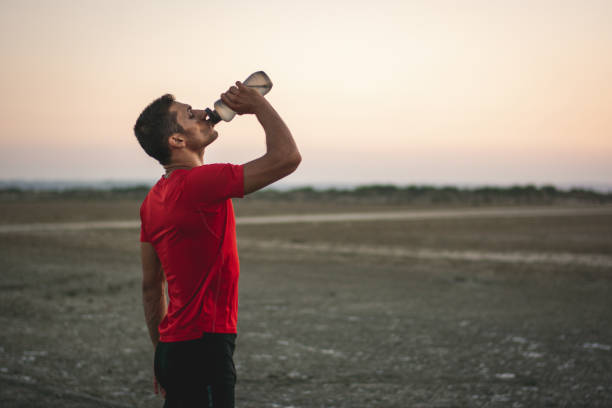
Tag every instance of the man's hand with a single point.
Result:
(242, 99)
(158, 388)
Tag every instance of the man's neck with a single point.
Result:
(183, 164)
(170, 169)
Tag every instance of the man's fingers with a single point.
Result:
(239, 98)
(229, 100)
(231, 105)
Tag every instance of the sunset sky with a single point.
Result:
(454, 92)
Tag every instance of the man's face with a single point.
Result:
(199, 132)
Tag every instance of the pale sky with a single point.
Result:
(405, 92)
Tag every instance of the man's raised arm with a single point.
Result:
(282, 156)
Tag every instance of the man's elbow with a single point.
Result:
(293, 161)
(284, 163)
(152, 288)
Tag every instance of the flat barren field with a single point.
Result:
(457, 310)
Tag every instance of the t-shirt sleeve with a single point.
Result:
(212, 183)
(144, 237)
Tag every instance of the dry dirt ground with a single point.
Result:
(455, 312)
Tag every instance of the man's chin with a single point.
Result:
(211, 138)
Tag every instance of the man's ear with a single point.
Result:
(176, 140)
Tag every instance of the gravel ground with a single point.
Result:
(331, 315)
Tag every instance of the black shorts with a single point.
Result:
(197, 373)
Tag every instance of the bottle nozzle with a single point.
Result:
(213, 116)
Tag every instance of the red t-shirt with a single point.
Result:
(189, 220)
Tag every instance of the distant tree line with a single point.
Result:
(385, 194)
(81, 193)
(424, 194)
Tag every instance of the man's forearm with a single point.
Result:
(154, 302)
(279, 141)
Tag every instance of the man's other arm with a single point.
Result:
(153, 290)
(282, 156)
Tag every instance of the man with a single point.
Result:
(188, 240)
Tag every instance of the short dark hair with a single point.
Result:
(155, 125)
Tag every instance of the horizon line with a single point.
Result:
(60, 184)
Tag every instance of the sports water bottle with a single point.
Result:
(258, 80)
